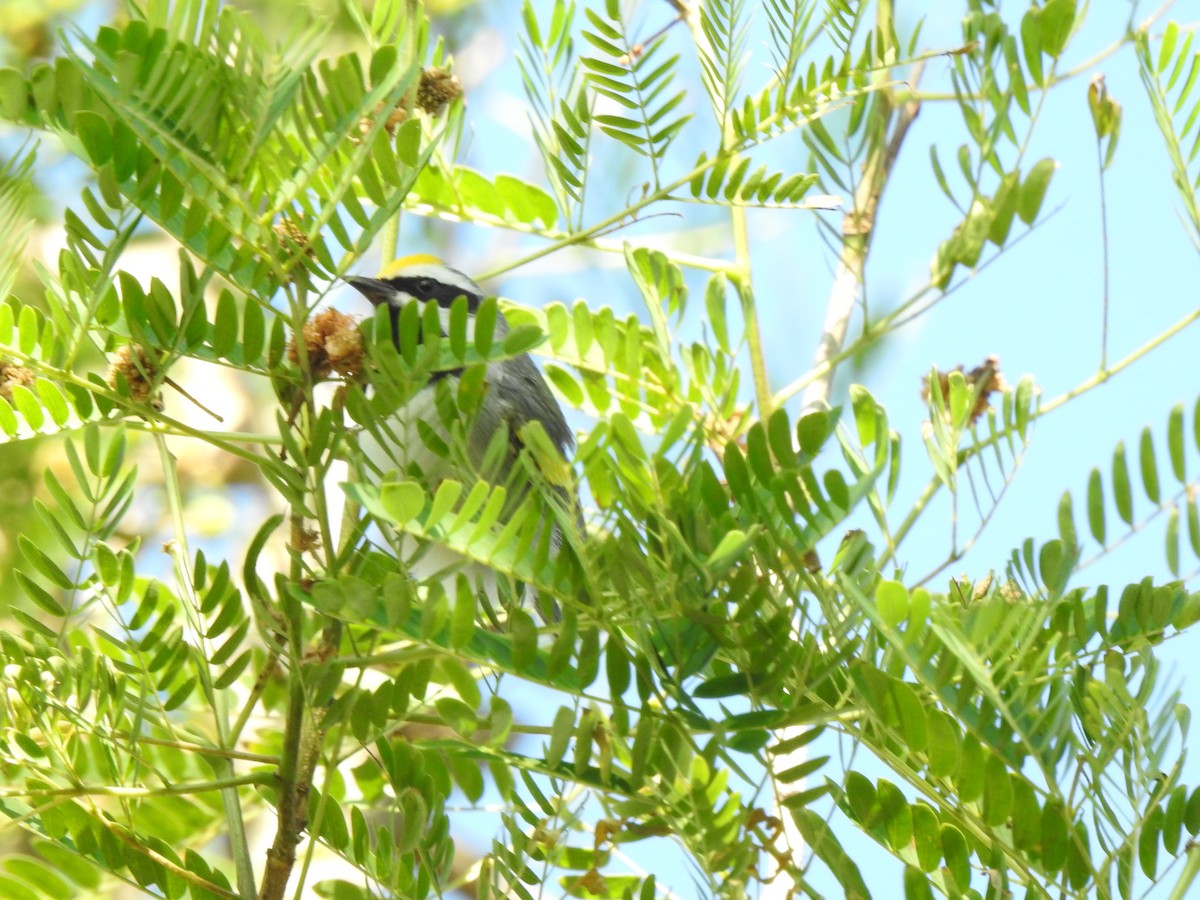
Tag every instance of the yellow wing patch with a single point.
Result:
(397, 266)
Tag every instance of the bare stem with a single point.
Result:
(857, 227)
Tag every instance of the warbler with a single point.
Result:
(515, 394)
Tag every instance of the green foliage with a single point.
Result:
(737, 595)
(638, 80)
(1180, 66)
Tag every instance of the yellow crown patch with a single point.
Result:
(397, 266)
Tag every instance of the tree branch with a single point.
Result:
(858, 225)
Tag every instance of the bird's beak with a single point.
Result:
(372, 288)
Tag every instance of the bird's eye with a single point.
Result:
(426, 285)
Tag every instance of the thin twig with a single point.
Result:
(171, 382)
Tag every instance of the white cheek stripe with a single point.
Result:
(444, 319)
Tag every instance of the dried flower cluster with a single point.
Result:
(292, 237)
(332, 343)
(985, 378)
(12, 375)
(436, 90)
(139, 369)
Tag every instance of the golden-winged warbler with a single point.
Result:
(514, 394)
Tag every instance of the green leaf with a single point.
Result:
(402, 500)
(14, 94)
(1167, 49)
(68, 863)
(566, 385)
(8, 418)
(444, 500)
(28, 406)
(1095, 505)
(916, 885)
(818, 835)
(1172, 538)
(39, 595)
(1149, 467)
(1122, 490)
(1191, 812)
(1057, 20)
(1193, 520)
(54, 401)
(714, 304)
(462, 622)
(1054, 836)
(938, 173)
(897, 815)
(41, 561)
(522, 339)
(944, 744)
(957, 856)
(616, 665)
(723, 686)
(524, 639)
(224, 331)
(1056, 562)
(927, 836)
(1173, 819)
(997, 791)
(457, 715)
(527, 202)
(1033, 189)
(814, 429)
(731, 546)
(95, 135)
(108, 567)
(866, 415)
(560, 735)
(15, 890)
(891, 598)
(253, 333)
(1175, 443)
(1066, 521)
(408, 143)
(1148, 843)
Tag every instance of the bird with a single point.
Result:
(515, 394)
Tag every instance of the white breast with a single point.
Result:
(395, 445)
(389, 450)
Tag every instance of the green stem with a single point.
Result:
(1086, 66)
(1188, 875)
(234, 822)
(118, 790)
(770, 127)
(754, 342)
(1095, 381)
(389, 240)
